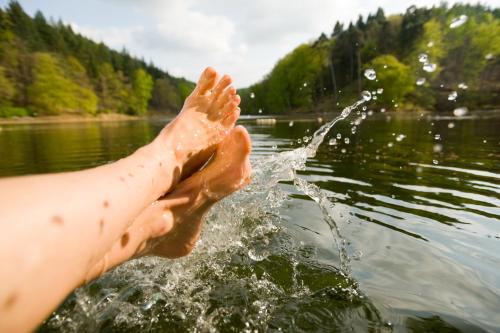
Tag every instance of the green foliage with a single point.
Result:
(395, 78)
(52, 92)
(89, 76)
(165, 96)
(11, 111)
(7, 89)
(293, 83)
(469, 53)
(142, 87)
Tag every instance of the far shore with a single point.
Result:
(110, 117)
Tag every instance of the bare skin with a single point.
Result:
(57, 227)
(171, 226)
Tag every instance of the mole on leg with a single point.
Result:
(56, 219)
(125, 239)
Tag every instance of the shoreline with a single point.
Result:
(69, 119)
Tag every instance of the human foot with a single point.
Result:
(208, 114)
(171, 226)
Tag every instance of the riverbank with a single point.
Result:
(69, 119)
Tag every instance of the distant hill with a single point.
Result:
(47, 68)
(446, 50)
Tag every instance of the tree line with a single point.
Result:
(46, 68)
(329, 72)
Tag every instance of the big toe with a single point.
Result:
(207, 81)
(237, 145)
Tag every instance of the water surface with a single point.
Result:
(418, 215)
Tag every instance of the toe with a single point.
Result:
(243, 139)
(206, 81)
(231, 119)
(222, 85)
(226, 97)
(231, 105)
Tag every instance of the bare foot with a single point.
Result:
(207, 116)
(171, 227)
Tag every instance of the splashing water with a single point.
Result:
(423, 58)
(240, 234)
(429, 67)
(420, 81)
(460, 112)
(370, 74)
(458, 21)
(452, 96)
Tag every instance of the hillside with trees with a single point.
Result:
(48, 69)
(422, 59)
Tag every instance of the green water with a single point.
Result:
(420, 218)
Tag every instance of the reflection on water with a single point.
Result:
(421, 227)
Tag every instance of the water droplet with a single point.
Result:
(366, 95)
(437, 137)
(420, 81)
(305, 84)
(343, 151)
(400, 137)
(290, 124)
(305, 139)
(484, 141)
(452, 96)
(339, 136)
(375, 98)
(363, 115)
(357, 255)
(435, 162)
(390, 145)
(463, 86)
(370, 112)
(430, 44)
(274, 147)
(385, 66)
(458, 21)
(252, 95)
(423, 57)
(332, 142)
(256, 256)
(370, 74)
(459, 112)
(489, 56)
(353, 130)
(346, 141)
(364, 108)
(437, 148)
(429, 67)
(382, 110)
(451, 125)
(380, 90)
(260, 110)
(299, 141)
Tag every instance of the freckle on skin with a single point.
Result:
(101, 225)
(56, 219)
(105, 203)
(124, 240)
(10, 301)
(122, 179)
(161, 164)
(141, 166)
(130, 175)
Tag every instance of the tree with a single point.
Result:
(165, 96)
(394, 77)
(112, 89)
(53, 93)
(7, 89)
(142, 86)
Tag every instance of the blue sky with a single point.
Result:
(240, 37)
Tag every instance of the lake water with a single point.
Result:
(397, 230)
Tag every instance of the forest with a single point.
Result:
(46, 68)
(425, 59)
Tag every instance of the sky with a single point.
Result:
(244, 38)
